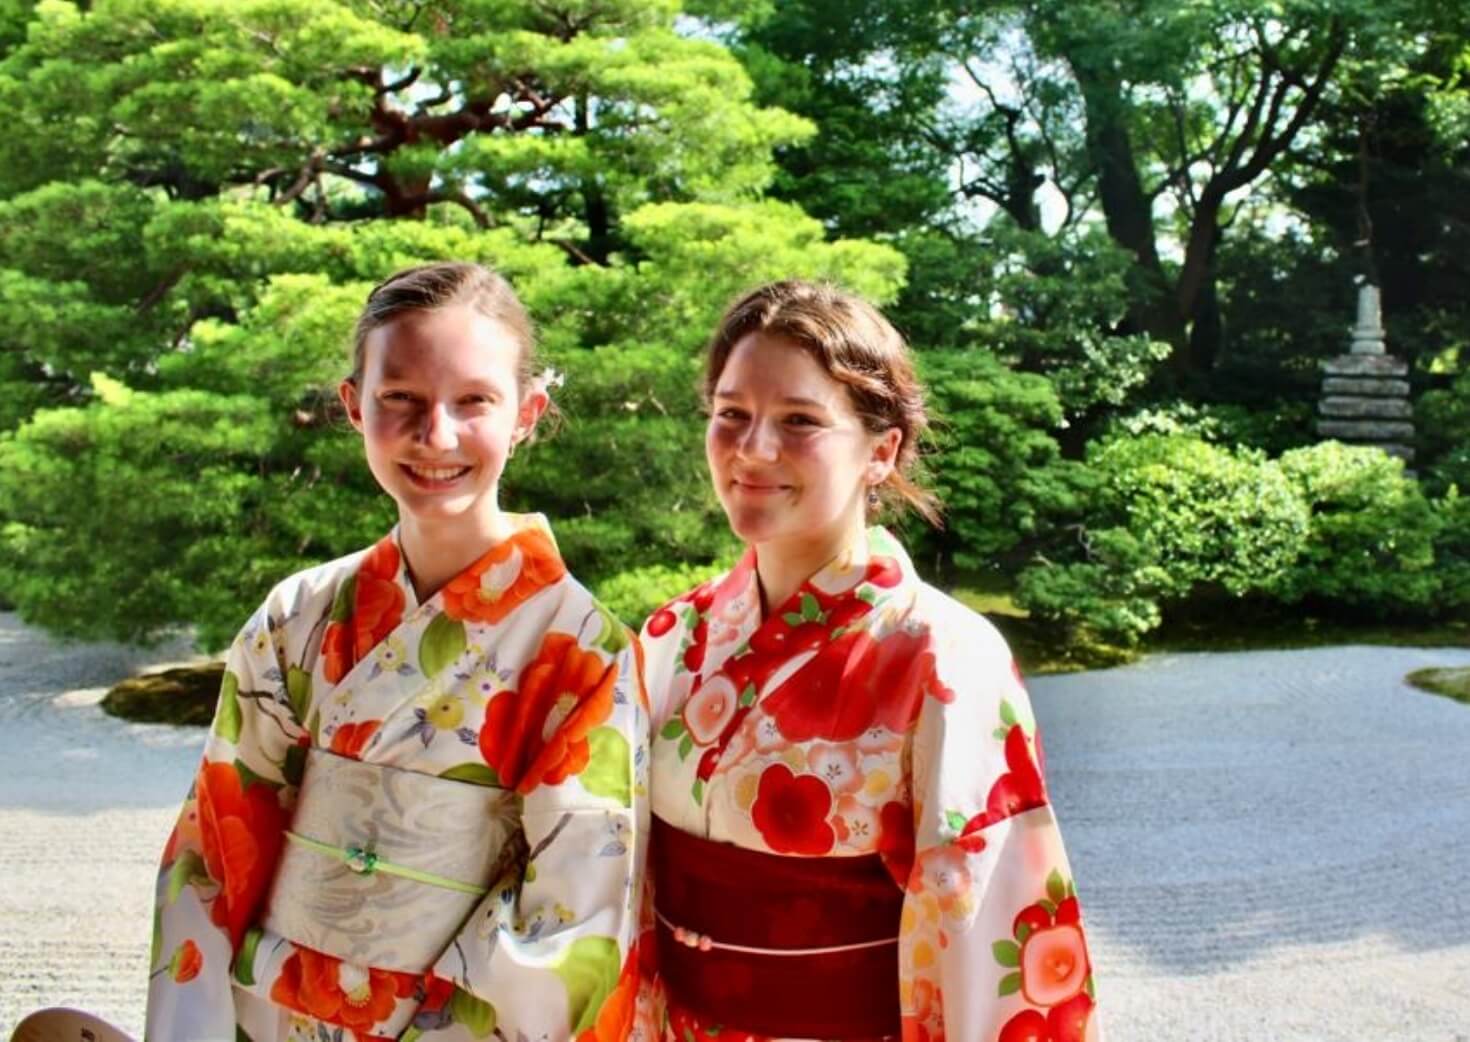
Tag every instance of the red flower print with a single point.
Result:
(377, 609)
(538, 734)
(350, 739)
(694, 653)
(660, 622)
(1029, 1025)
(896, 841)
(1053, 964)
(240, 833)
(1018, 790)
(884, 572)
(186, 963)
(437, 991)
(1033, 917)
(791, 812)
(354, 997)
(856, 682)
(1072, 1021)
(502, 580)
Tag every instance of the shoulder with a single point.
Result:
(300, 595)
(958, 631)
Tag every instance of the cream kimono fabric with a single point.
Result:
(873, 714)
(511, 677)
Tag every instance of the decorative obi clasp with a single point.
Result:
(382, 866)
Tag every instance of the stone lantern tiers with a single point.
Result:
(1365, 394)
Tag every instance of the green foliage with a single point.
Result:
(1206, 513)
(1452, 553)
(1163, 518)
(138, 512)
(1111, 597)
(635, 594)
(1443, 421)
(995, 460)
(1372, 534)
(1055, 303)
(198, 197)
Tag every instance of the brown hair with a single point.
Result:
(430, 287)
(858, 348)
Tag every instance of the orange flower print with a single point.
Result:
(496, 584)
(350, 739)
(354, 997)
(240, 831)
(186, 962)
(615, 1018)
(377, 609)
(337, 654)
(538, 734)
(919, 1026)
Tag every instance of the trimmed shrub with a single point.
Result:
(637, 593)
(1166, 516)
(1372, 537)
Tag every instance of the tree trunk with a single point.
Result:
(1128, 210)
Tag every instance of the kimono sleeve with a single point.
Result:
(550, 952)
(221, 856)
(991, 944)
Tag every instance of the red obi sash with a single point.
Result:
(794, 947)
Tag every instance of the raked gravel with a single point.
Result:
(1270, 846)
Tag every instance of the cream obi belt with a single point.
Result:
(383, 866)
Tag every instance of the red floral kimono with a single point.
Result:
(511, 691)
(870, 719)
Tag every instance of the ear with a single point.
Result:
(884, 456)
(533, 405)
(352, 402)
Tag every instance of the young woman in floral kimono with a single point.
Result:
(418, 811)
(852, 837)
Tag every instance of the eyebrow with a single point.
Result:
(790, 399)
(413, 373)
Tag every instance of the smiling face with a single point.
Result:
(790, 457)
(439, 408)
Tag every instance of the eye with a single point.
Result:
(397, 397)
(478, 400)
(801, 419)
(729, 412)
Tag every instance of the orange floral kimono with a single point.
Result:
(412, 821)
(869, 721)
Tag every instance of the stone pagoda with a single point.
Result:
(1365, 394)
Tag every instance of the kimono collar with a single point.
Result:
(501, 579)
(888, 566)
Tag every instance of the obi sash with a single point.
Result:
(793, 947)
(382, 865)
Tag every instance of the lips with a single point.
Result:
(434, 476)
(759, 488)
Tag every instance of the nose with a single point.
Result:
(437, 431)
(759, 441)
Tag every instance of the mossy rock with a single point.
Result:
(183, 695)
(1450, 682)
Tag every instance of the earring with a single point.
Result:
(512, 453)
(873, 501)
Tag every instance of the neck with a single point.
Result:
(437, 551)
(783, 565)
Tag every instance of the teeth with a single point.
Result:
(438, 473)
